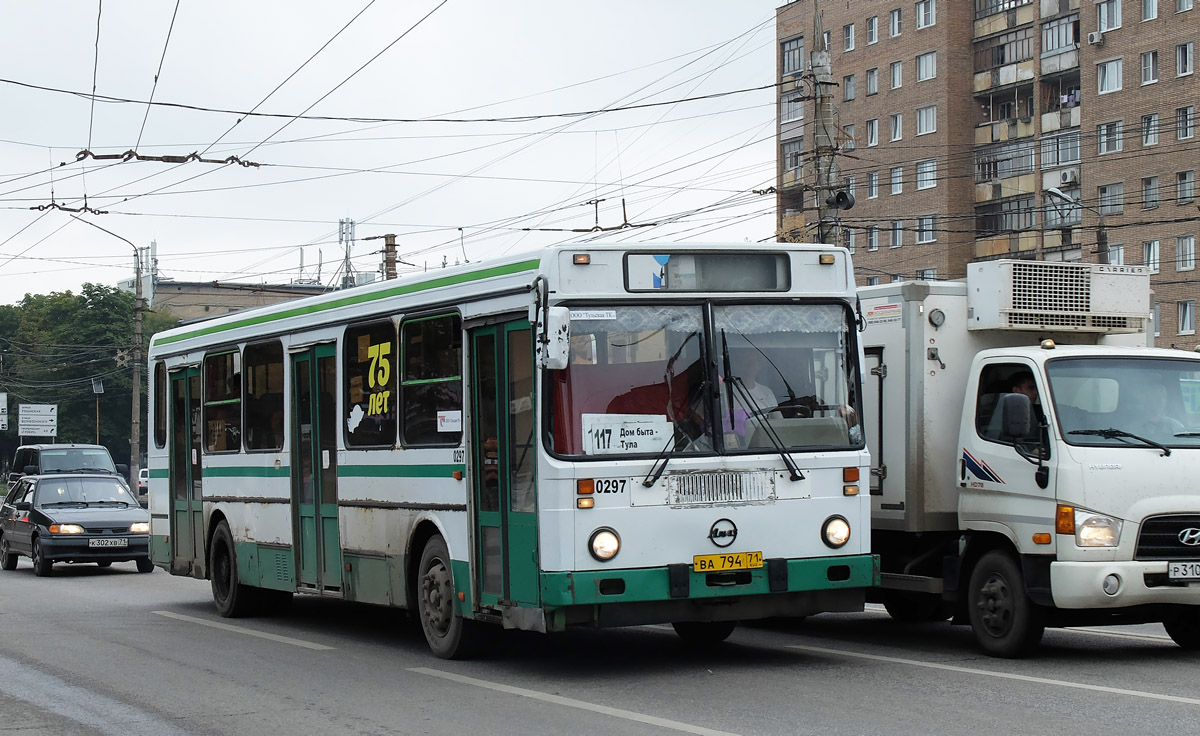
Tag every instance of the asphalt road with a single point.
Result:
(91, 651)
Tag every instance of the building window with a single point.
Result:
(849, 129)
(1060, 214)
(872, 281)
(1109, 15)
(1060, 35)
(873, 237)
(1108, 76)
(927, 174)
(1150, 255)
(1108, 137)
(1149, 9)
(1187, 317)
(984, 8)
(1185, 118)
(897, 179)
(1183, 58)
(1112, 198)
(1004, 160)
(897, 126)
(1150, 129)
(1149, 192)
(848, 37)
(1010, 215)
(1182, 5)
(850, 239)
(1157, 320)
(1060, 150)
(897, 74)
(926, 274)
(792, 153)
(873, 132)
(872, 81)
(793, 56)
(1116, 255)
(926, 119)
(1185, 253)
(894, 22)
(850, 185)
(926, 66)
(897, 234)
(1008, 48)
(791, 108)
(872, 29)
(925, 229)
(1149, 67)
(897, 278)
(926, 13)
(848, 85)
(872, 184)
(1185, 186)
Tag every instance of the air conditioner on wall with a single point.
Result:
(1069, 176)
(1096, 38)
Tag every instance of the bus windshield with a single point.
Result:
(649, 379)
(1126, 402)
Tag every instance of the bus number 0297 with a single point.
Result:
(610, 485)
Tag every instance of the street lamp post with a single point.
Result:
(1101, 233)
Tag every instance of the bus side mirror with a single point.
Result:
(553, 339)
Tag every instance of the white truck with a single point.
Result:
(1077, 507)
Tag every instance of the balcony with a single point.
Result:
(1067, 117)
(1003, 130)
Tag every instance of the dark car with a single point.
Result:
(73, 518)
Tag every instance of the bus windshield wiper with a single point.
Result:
(664, 455)
(768, 428)
(1111, 434)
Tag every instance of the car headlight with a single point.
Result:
(140, 527)
(835, 532)
(604, 544)
(66, 529)
(1096, 530)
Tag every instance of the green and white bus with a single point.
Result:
(598, 435)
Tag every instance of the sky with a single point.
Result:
(470, 129)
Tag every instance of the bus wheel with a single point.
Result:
(232, 598)
(1184, 629)
(448, 635)
(1005, 621)
(704, 633)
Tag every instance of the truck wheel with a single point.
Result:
(233, 599)
(1005, 621)
(1184, 629)
(449, 636)
(41, 566)
(8, 559)
(704, 633)
(903, 605)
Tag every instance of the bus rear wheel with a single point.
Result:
(449, 636)
(233, 599)
(704, 633)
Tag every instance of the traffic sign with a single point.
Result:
(37, 420)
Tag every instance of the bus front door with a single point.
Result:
(504, 483)
(314, 470)
(187, 497)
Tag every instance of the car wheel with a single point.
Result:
(1005, 621)
(41, 566)
(233, 599)
(145, 565)
(8, 560)
(449, 636)
(704, 633)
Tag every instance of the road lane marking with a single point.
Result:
(1000, 675)
(1119, 634)
(241, 630)
(572, 703)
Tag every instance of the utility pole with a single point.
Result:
(346, 237)
(389, 255)
(135, 434)
(824, 136)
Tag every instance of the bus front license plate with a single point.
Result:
(117, 542)
(728, 561)
(1183, 570)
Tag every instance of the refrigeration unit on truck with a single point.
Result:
(1012, 510)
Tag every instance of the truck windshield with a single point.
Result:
(655, 379)
(1126, 402)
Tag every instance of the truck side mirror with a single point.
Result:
(30, 470)
(1016, 415)
(553, 339)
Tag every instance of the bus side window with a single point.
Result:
(369, 354)
(223, 402)
(431, 384)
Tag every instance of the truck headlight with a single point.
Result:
(1096, 530)
(835, 532)
(604, 544)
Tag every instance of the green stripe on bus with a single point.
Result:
(158, 473)
(398, 471)
(399, 290)
(245, 471)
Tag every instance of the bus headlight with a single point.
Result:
(835, 532)
(604, 544)
(1096, 530)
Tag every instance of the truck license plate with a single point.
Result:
(728, 561)
(114, 542)
(1183, 570)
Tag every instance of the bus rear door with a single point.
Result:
(187, 497)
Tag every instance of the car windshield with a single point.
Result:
(1127, 402)
(65, 491)
(76, 459)
(650, 379)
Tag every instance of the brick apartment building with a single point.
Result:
(961, 120)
